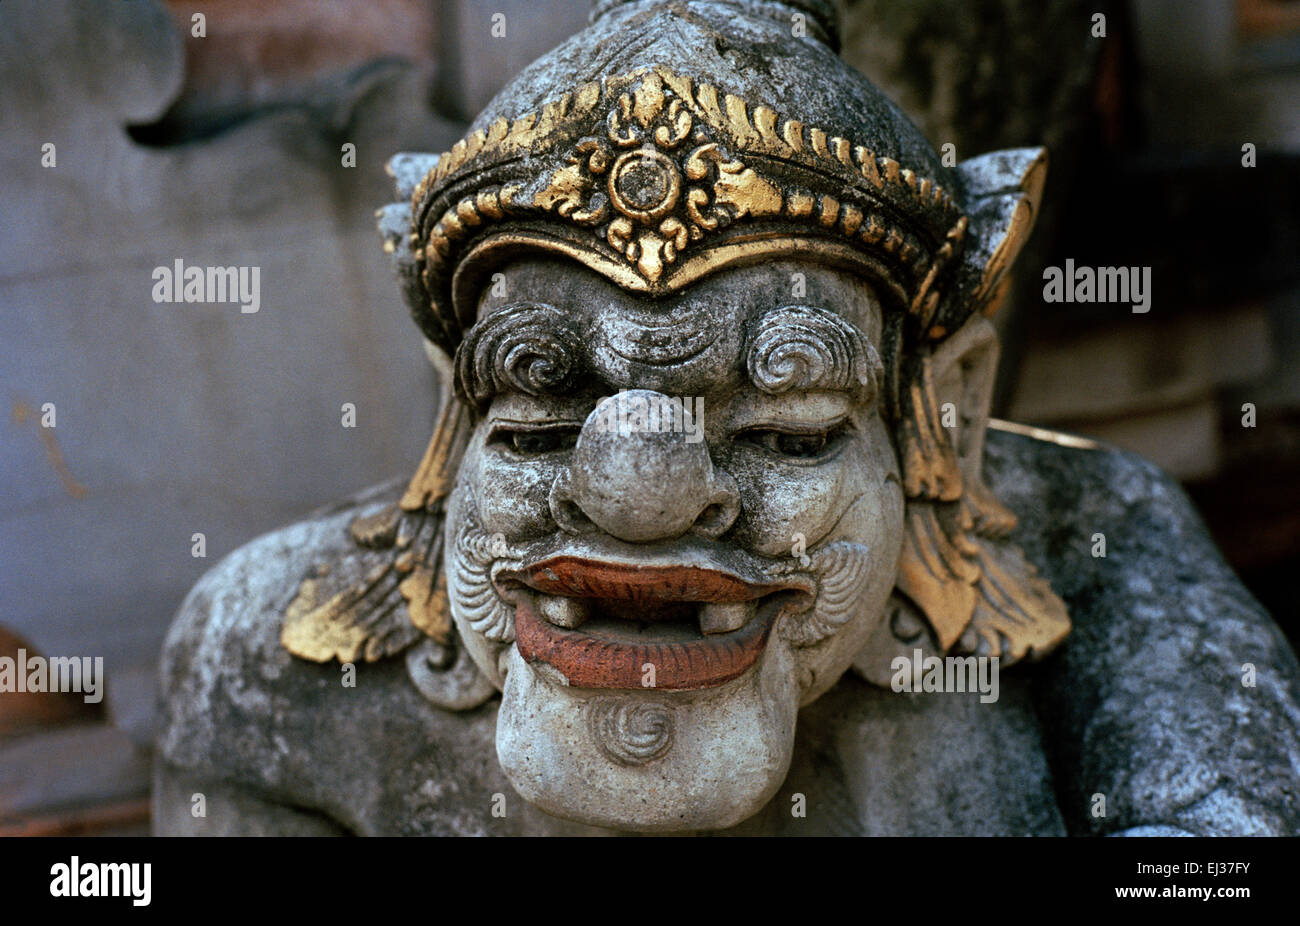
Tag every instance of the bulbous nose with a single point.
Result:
(641, 472)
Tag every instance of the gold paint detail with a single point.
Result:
(799, 205)
(926, 299)
(660, 165)
(937, 569)
(400, 595)
(830, 211)
(929, 462)
(357, 623)
(1017, 615)
(958, 565)
(425, 593)
(1059, 438)
(377, 530)
(433, 479)
(850, 218)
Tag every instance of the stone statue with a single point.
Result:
(715, 505)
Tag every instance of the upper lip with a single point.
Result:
(689, 569)
(583, 577)
(576, 583)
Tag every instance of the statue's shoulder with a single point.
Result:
(241, 709)
(226, 637)
(1173, 704)
(223, 663)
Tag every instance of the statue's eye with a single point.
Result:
(535, 440)
(801, 444)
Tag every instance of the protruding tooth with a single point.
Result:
(564, 612)
(724, 617)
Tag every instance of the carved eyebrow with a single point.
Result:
(528, 347)
(807, 347)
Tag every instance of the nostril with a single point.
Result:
(717, 517)
(565, 510)
(572, 518)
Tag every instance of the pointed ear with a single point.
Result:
(965, 368)
(1003, 192)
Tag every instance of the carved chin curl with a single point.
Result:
(630, 732)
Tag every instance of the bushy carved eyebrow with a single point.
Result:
(807, 347)
(527, 347)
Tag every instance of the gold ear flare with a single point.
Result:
(354, 623)
(437, 470)
(425, 592)
(402, 593)
(929, 462)
(956, 565)
(1016, 613)
(989, 516)
(937, 568)
(996, 297)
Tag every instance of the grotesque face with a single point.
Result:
(676, 521)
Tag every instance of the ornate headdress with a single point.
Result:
(698, 135)
(681, 154)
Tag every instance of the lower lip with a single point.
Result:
(590, 662)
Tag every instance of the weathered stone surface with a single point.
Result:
(1144, 704)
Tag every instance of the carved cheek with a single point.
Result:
(511, 491)
(841, 499)
(780, 500)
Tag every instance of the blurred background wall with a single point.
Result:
(230, 148)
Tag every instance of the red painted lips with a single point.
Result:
(662, 602)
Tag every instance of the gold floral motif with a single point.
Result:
(630, 182)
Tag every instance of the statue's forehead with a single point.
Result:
(733, 294)
(688, 342)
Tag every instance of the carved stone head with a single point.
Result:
(712, 318)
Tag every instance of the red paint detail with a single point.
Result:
(578, 577)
